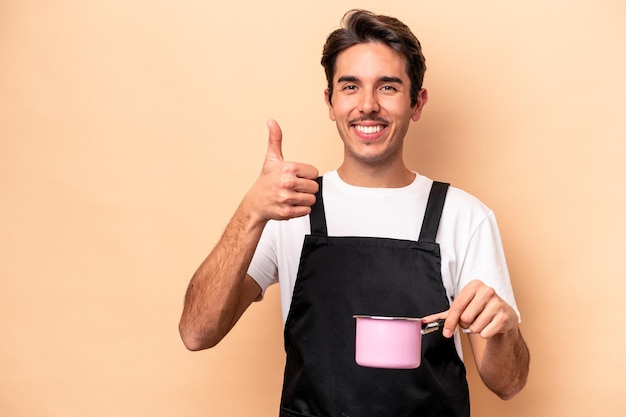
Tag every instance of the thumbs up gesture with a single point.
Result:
(284, 190)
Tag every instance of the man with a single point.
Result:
(372, 237)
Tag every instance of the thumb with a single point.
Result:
(274, 147)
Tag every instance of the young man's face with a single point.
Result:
(371, 103)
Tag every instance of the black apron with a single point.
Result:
(339, 277)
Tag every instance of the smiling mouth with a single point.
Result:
(369, 125)
(369, 130)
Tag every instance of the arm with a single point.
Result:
(501, 355)
(220, 290)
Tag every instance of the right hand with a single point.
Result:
(284, 190)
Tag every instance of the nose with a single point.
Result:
(368, 102)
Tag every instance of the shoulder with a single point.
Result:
(463, 213)
(458, 199)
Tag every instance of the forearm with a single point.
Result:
(213, 300)
(504, 364)
(219, 292)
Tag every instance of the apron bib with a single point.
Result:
(339, 277)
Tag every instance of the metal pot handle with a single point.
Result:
(432, 327)
(436, 325)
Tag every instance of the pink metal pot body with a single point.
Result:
(388, 342)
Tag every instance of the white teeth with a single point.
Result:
(369, 129)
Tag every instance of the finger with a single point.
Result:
(484, 305)
(496, 317)
(308, 172)
(434, 317)
(299, 170)
(302, 200)
(458, 308)
(274, 147)
(295, 211)
(306, 185)
(474, 308)
(451, 322)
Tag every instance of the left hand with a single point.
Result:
(480, 310)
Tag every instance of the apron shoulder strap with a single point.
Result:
(434, 208)
(318, 215)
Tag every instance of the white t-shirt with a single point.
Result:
(468, 235)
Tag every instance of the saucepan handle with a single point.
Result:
(432, 327)
(436, 325)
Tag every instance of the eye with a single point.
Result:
(390, 88)
(349, 87)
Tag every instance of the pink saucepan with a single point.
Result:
(391, 342)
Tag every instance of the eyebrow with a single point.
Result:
(347, 79)
(388, 79)
(384, 78)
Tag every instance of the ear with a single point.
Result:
(331, 112)
(422, 99)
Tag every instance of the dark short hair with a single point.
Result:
(361, 26)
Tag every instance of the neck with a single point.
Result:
(376, 176)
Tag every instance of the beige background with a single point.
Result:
(130, 129)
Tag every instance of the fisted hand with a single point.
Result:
(480, 310)
(284, 190)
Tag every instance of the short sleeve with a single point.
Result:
(263, 267)
(485, 261)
